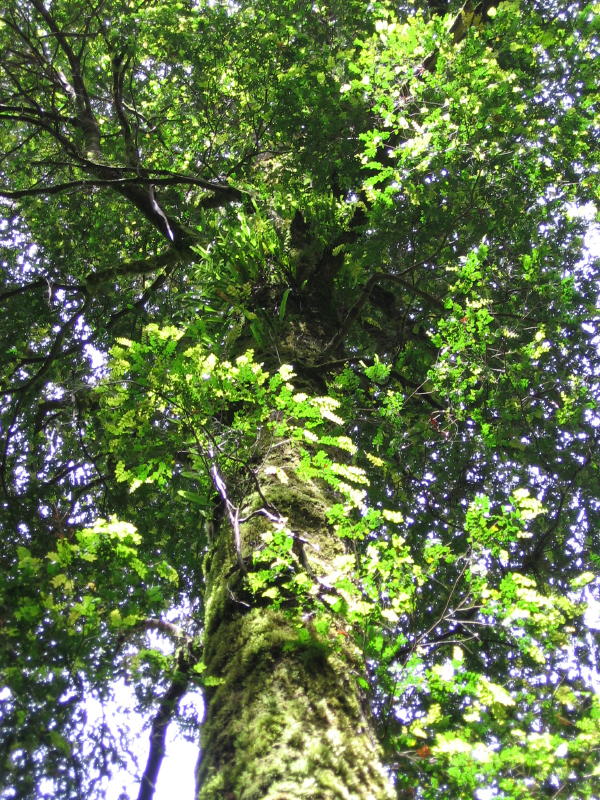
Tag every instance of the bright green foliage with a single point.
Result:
(63, 612)
(343, 232)
(477, 730)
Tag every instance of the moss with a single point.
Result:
(276, 722)
(286, 719)
(304, 505)
(219, 575)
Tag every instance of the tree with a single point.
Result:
(300, 375)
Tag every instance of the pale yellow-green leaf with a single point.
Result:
(447, 744)
(392, 516)
(457, 654)
(582, 580)
(375, 460)
(473, 714)
(493, 693)
(278, 472)
(286, 371)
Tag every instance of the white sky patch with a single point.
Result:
(96, 358)
(591, 240)
(592, 614)
(176, 776)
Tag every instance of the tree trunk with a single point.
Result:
(286, 719)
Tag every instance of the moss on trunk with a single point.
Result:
(285, 720)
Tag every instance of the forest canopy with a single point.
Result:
(299, 396)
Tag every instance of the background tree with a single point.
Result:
(343, 456)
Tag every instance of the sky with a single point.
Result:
(176, 776)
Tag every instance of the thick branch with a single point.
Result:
(40, 123)
(24, 112)
(471, 14)
(42, 283)
(168, 628)
(119, 65)
(140, 267)
(81, 98)
(221, 196)
(188, 656)
(166, 711)
(362, 299)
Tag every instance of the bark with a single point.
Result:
(286, 719)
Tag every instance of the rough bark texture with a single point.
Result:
(286, 721)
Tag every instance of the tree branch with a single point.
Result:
(81, 98)
(41, 283)
(140, 267)
(187, 657)
(363, 298)
(119, 65)
(221, 196)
